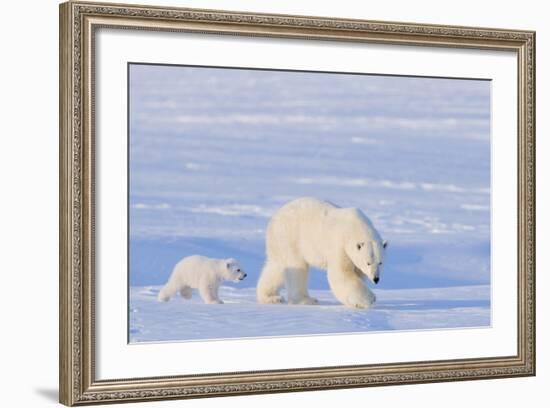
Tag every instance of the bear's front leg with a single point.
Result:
(349, 289)
(209, 294)
(362, 298)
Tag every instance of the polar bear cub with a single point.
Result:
(202, 273)
(310, 232)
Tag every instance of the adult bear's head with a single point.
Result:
(363, 243)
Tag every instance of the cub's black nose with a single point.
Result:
(376, 280)
(244, 276)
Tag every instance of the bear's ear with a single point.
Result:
(384, 244)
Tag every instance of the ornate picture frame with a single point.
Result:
(79, 22)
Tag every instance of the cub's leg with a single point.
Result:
(209, 294)
(296, 286)
(186, 292)
(167, 292)
(270, 283)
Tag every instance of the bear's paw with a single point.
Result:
(363, 301)
(272, 300)
(306, 300)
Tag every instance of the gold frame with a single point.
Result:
(78, 21)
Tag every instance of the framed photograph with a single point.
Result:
(255, 203)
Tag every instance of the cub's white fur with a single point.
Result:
(202, 273)
(310, 232)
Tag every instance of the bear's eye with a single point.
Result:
(359, 246)
(238, 270)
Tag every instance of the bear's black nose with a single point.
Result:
(245, 275)
(375, 280)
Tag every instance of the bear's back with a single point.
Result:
(308, 205)
(296, 228)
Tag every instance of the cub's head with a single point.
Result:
(233, 271)
(363, 245)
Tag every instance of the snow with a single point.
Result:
(213, 153)
(240, 316)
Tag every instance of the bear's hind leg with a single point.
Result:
(270, 283)
(296, 286)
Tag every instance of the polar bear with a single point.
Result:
(310, 232)
(202, 273)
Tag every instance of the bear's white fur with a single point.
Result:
(202, 273)
(310, 232)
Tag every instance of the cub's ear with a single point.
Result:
(384, 244)
(230, 262)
